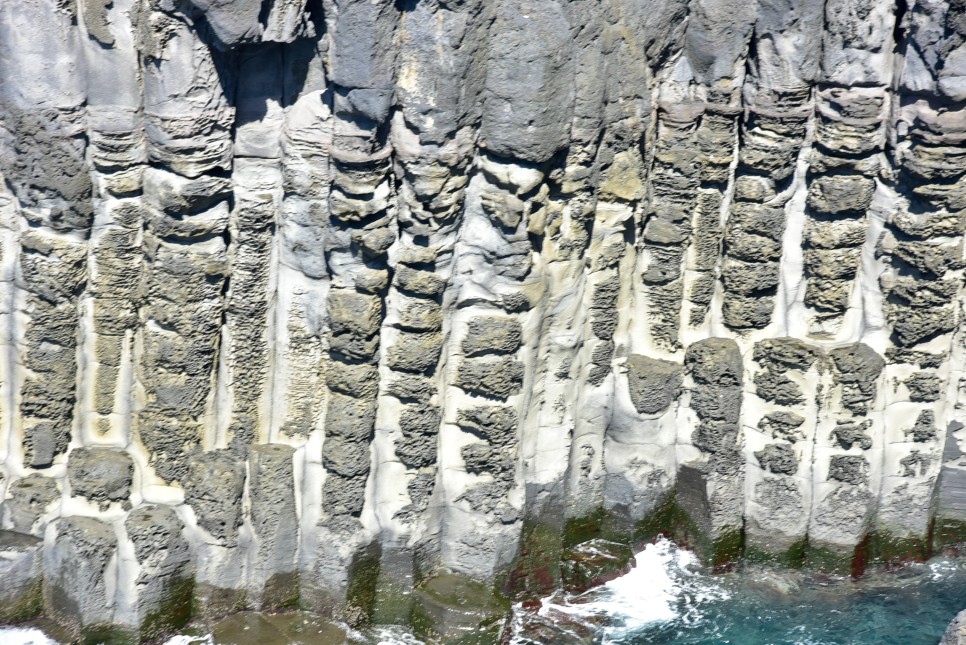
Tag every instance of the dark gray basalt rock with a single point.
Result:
(497, 378)
(782, 425)
(214, 488)
(100, 474)
(165, 579)
(778, 458)
(653, 383)
(76, 588)
(924, 387)
(355, 289)
(29, 499)
(22, 568)
(492, 335)
(849, 469)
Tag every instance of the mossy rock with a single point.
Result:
(456, 610)
(394, 598)
(582, 529)
(948, 533)
(25, 605)
(537, 568)
(210, 602)
(726, 550)
(835, 561)
(281, 592)
(361, 591)
(107, 635)
(173, 613)
(888, 548)
(792, 557)
(672, 521)
(247, 628)
(595, 562)
(669, 519)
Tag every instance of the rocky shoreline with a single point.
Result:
(383, 309)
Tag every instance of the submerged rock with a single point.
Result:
(956, 632)
(337, 304)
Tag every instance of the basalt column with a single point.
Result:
(362, 212)
(402, 311)
(922, 286)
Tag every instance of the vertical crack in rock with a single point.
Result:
(363, 306)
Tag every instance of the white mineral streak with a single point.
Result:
(361, 304)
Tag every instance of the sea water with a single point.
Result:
(669, 598)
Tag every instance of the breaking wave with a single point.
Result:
(665, 585)
(668, 598)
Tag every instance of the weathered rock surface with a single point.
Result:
(320, 302)
(956, 632)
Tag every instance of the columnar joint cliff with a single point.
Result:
(360, 304)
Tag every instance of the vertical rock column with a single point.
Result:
(849, 137)
(221, 552)
(273, 579)
(489, 378)
(117, 157)
(414, 340)
(355, 310)
(779, 449)
(189, 147)
(595, 202)
(781, 65)
(594, 366)
(580, 241)
(116, 261)
(181, 323)
(164, 577)
(246, 351)
(772, 134)
(302, 279)
(10, 430)
(675, 177)
(849, 444)
(715, 52)
(80, 577)
(52, 273)
(43, 111)
(923, 285)
(479, 439)
(433, 151)
(362, 212)
(22, 569)
(716, 141)
(188, 120)
(851, 104)
(711, 489)
(300, 301)
(923, 245)
(257, 196)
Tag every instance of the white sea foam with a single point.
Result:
(393, 635)
(190, 640)
(663, 586)
(31, 636)
(23, 636)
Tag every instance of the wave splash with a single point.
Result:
(668, 597)
(664, 585)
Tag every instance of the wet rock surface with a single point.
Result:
(323, 300)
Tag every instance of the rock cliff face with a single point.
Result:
(318, 302)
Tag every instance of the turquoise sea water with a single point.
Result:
(909, 611)
(666, 599)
